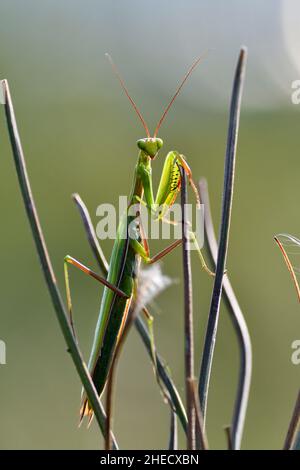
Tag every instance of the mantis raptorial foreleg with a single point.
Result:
(168, 189)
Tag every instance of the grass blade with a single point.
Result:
(90, 233)
(173, 439)
(212, 326)
(201, 437)
(61, 313)
(240, 326)
(292, 441)
(163, 373)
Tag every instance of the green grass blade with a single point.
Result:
(61, 313)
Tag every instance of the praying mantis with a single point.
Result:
(120, 286)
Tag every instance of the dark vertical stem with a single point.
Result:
(188, 317)
(201, 437)
(61, 313)
(228, 434)
(212, 326)
(296, 443)
(240, 326)
(292, 441)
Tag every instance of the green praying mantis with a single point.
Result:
(120, 286)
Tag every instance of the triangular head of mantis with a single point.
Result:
(150, 146)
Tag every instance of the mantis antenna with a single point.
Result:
(114, 67)
(189, 72)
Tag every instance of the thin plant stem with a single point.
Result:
(61, 313)
(109, 410)
(228, 434)
(296, 444)
(292, 441)
(91, 235)
(289, 266)
(240, 326)
(163, 373)
(173, 439)
(201, 437)
(188, 318)
(110, 393)
(212, 326)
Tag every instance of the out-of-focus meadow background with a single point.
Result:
(79, 134)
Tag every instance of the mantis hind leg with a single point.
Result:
(201, 257)
(150, 321)
(70, 260)
(86, 409)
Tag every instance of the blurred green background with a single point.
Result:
(79, 133)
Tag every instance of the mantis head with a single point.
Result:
(150, 146)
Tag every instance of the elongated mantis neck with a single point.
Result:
(143, 165)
